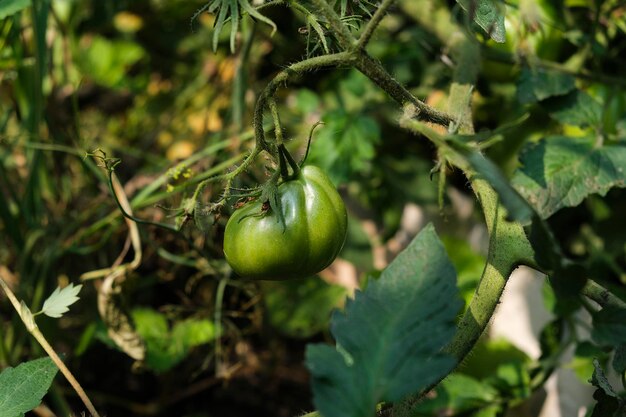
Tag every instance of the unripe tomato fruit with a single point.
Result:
(258, 245)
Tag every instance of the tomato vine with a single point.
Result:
(509, 246)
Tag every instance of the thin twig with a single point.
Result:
(31, 326)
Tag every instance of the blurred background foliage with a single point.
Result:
(139, 80)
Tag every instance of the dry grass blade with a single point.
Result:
(110, 297)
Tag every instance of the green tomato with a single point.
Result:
(257, 245)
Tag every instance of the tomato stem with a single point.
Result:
(286, 158)
(278, 130)
(284, 169)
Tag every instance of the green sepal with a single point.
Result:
(269, 193)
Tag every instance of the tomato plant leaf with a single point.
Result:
(536, 84)
(255, 14)
(311, 21)
(561, 171)
(166, 347)
(23, 387)
(488, 15)
(10, 7)
(609, 326)
(609, 402)
(346, 144)
(390, 336)
(575, 108)
(59, 301)
(107, 62)
(301, 308)
(584, 356)
(229, 10)
(619, 360)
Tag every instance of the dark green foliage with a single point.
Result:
(561, 171)
(389, 340)
(488, 14)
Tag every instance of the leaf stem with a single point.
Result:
(278, 130)
(371, 26)
(32, 328)
(284, 76)
(373, 70)
(601, 295)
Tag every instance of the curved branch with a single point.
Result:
(508, 248)
(297, 69)
(373, 70)
(601, 295)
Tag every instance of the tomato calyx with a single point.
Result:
(286, 161)
(288, 170)
(270, 197)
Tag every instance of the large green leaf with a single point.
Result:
(390, 337)
(23, 387)
(609, 403)
(536, 84)
(9, 7)
(488, 15)
(575, 108)
(561, 171)
(609, 326)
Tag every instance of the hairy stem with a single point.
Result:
(508, 245)
(284, 76)
(508, 248)
(373, 70)
(371, 26)
(278, 130)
